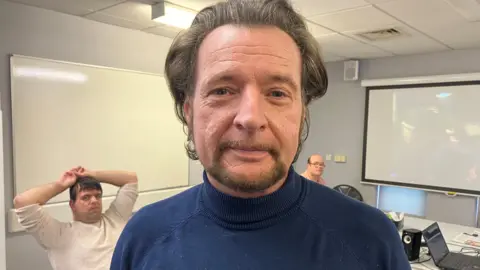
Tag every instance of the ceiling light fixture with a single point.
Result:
(50, 74)
(172, 15)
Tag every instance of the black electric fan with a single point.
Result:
(349, 191)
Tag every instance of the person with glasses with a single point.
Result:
(315, 168)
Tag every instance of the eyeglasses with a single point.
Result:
(318, 164)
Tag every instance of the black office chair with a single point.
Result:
(349, 191)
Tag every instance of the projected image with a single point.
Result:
(432, 137)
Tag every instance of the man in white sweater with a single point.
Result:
(86, 243)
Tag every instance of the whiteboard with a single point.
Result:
(68, 114)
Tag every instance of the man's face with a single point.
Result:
(87, 207)
(316, 165)
(247, 108)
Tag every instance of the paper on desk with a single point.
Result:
(468, 239)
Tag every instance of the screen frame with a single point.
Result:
(429, 240)
(415, 83)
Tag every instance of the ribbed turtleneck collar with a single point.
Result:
(239, 213)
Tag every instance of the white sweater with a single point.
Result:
(76, 245)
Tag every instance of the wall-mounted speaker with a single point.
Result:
(412, 240)
(350, 70)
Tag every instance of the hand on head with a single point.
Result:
(80, 171)
(69, 177)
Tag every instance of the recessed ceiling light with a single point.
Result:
(172, 15)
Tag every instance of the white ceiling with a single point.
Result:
(427, 25)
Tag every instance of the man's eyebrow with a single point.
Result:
(221, 77)
(283, 79)
(227, 77)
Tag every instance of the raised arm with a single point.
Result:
(116, 178)
(42, 194)
(49, 232)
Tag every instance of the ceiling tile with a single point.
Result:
(194, 4)
(410, 42)
(442, 29)
(105, 18)
(355, 19)
(469, 9)
(165, 31)
(315, 7)
(74, 7)
(317, 30)
(127, 13)
(379, 1)
(444, 23)
(328, 57)
(148, 2)
(350, 48)
(414, 13)
(459, 36)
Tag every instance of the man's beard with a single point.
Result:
(263, 181)
(260, 182)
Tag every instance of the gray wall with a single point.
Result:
(337, 119)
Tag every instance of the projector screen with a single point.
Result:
(424, 136)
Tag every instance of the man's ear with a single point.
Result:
(72, 204)
(187, 110)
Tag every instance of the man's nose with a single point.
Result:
(251, 110)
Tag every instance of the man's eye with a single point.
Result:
(277, 94)
(220, 91)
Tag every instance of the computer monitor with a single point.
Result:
(436, 242)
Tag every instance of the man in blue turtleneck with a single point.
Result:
(242, 77)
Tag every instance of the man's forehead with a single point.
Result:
(90, 191)
(230, 43)
(230, 38)
(316, 158)
(227, 50)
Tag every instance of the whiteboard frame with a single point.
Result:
(412, 82)
(3, 244)
(80, 64)
(465, 77)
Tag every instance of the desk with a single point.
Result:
(449, 231)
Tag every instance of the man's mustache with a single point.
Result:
(248, 146)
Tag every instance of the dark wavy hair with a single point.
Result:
(84, 183)
(181, 59)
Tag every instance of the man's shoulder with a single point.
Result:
(364, 230)
(166, 214)
(152, 223)
(336, 212)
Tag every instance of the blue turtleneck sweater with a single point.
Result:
(302, 226)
